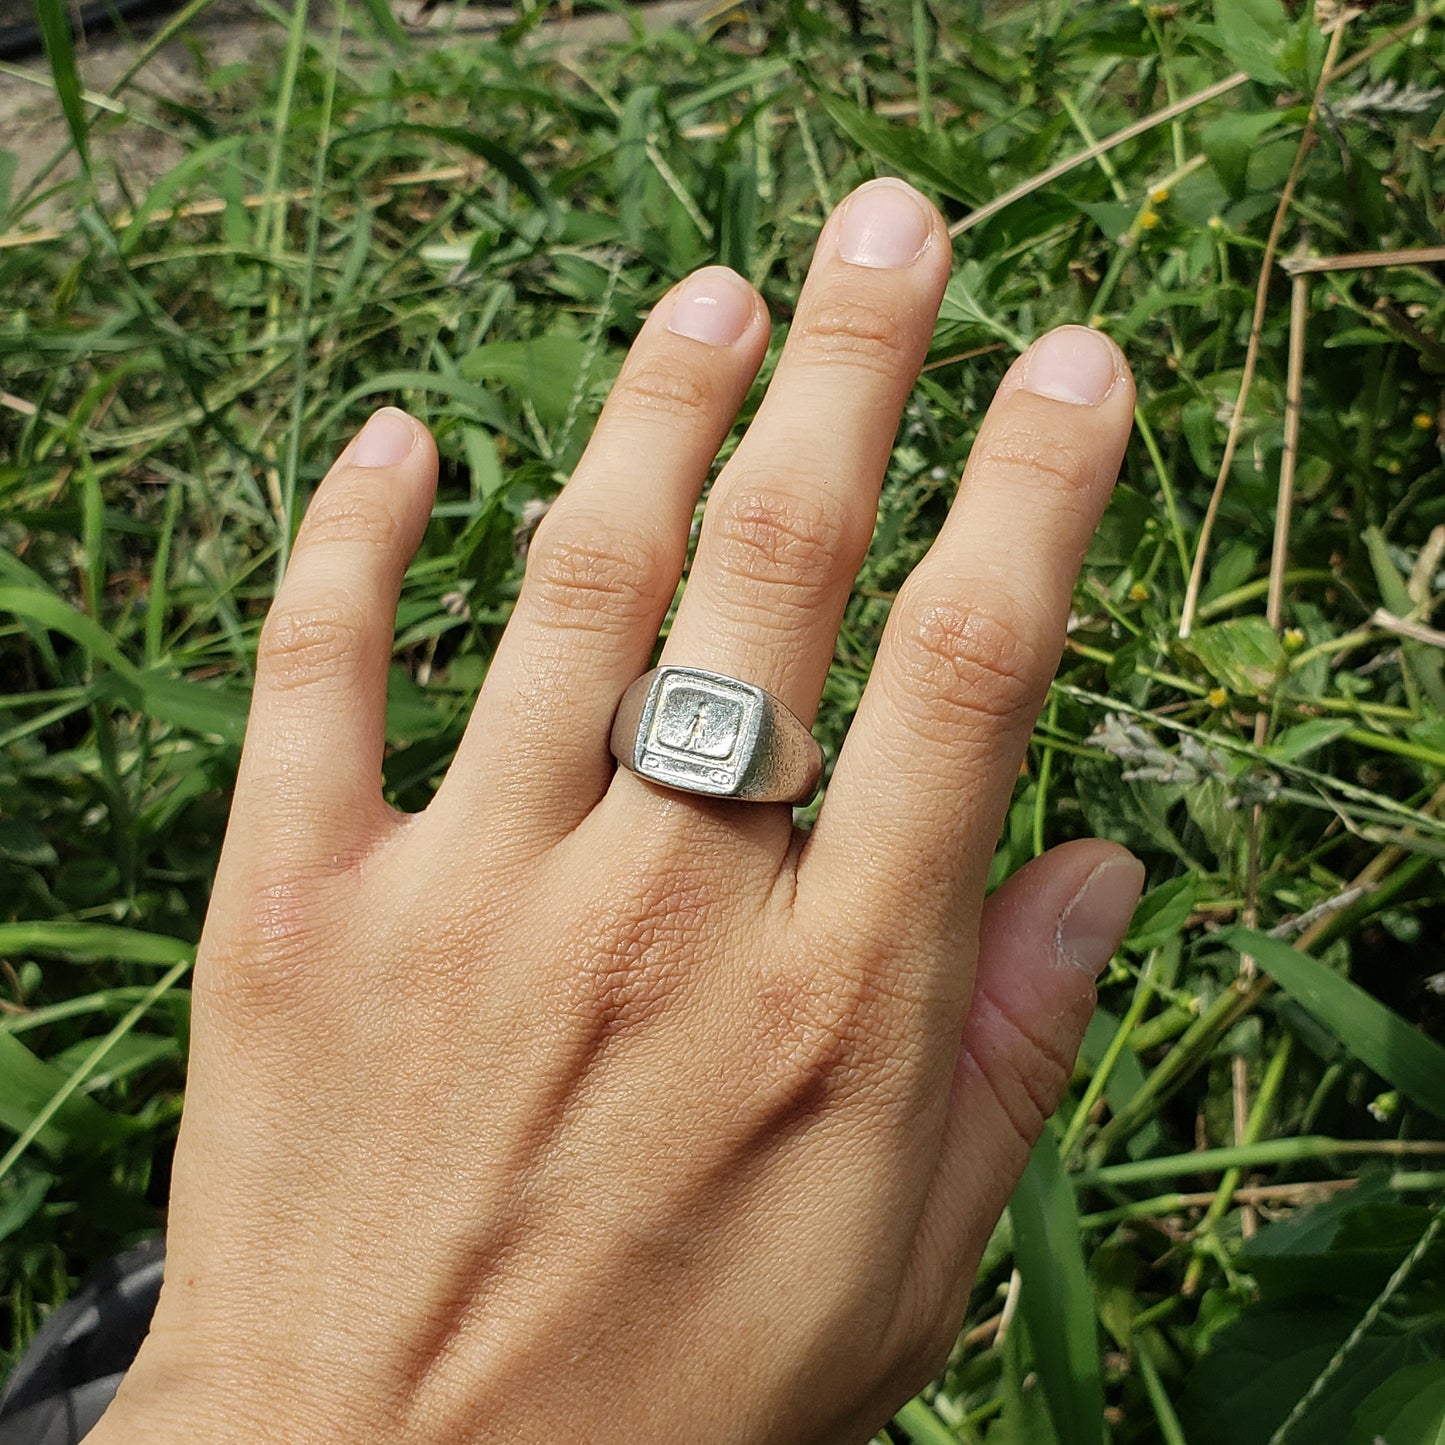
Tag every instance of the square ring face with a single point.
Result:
(699, 732)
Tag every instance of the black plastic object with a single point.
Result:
(23, 40)
(76, 1361)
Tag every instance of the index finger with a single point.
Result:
(919, 793)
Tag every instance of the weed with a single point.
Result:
(1247, 202)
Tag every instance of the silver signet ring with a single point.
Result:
(704, 732)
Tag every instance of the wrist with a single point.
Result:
(166, 1402)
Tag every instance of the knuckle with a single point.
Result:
(264, 963)
(627, 964)
(766, 535)
(672, 391)
(856, 329)
(827, 1034)
(348, 515)
(807, 1037)
(968, 666)
(1028, 452)
(303, 644)
(589, 573)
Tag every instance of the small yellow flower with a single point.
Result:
(1217, 697)
(1216, 223)
(1139, 592)
(1424, 420)
(1148, 220)
(1294, 638)
(1394, 468)
(1159, 195)
(1096, 321)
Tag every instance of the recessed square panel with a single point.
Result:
(698, 721)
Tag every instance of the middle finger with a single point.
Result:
(791, 514)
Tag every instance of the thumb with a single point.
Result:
(1044, 938)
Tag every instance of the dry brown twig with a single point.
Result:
(215, 205)
(1093, 152)
(1256, 329)
(1364, 260)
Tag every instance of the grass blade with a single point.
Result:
(1057, 1303)
(60, 51)
(1374, 1034)
(91, 943)
(64, 1101)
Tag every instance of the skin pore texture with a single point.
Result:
(573, 1107)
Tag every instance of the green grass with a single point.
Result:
(493, 221)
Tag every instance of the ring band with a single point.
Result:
(705, 732)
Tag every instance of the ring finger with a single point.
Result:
(604, 566)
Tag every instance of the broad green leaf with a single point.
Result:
(474, 403)
(1394, 592)
(1252, 33)
(1162, 913)
(1376, 1035)
(22, 842)
(737, 213)
(1346, 1248)
(91, 943)
(410, 713)
(27, 1085)
(1360, 336)
(1118, 535)
(931, 160)
(483, 461)
(386, 22)
(1408, 1409)
(1260, 1365)
(1305, 738)
(1244, 655)
(961, 303)
(213, 709)
(127, 1055)
(1303, 51)
(1025, 1418)
(1230, 141)
(1057, 1303)
(1113, 218)
(548, 370)
(20, 1197)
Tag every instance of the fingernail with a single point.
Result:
(885, 223)
(1072, 364)
(384, 440)
(713, 306)
(1094, 924)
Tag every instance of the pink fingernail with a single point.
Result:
(885, 223)
(384, 440)
(713, 306)
(1072, 364)
(1094, 924)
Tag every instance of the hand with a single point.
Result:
(577, 1108)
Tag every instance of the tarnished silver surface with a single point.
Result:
(703, 732)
